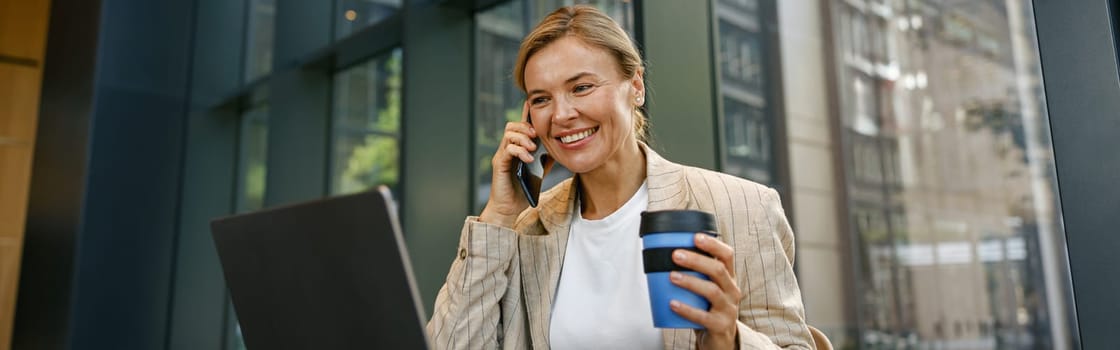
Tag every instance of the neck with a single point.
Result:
(608, 187)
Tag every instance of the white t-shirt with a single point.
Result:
(602, 301)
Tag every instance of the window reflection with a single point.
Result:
(747, 135)
(353, 15)
(366, 120)
(747, 117)
(259, 38)
(497, 99)
(950, 176)
(253, 157)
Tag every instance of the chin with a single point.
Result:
(578, 165)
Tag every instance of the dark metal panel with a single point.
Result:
(198, 309)
(57, 176)
(299, 104)
(125, 260)
(1079, 64)
(301, 28)
(217, 66)
(298, 122)
(465, 5)
(124, 252)
(436, 167)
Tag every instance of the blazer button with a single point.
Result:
(462, 253)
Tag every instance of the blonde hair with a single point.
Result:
(594, 28)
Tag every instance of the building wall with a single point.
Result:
(813, 168)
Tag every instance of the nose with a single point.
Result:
(566, 111)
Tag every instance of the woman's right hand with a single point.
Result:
(506, 200)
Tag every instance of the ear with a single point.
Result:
(638, 83)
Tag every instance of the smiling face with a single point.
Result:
(582, 106)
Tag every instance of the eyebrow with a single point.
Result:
(569, 81)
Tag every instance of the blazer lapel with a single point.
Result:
(668, 189)
(542, 256)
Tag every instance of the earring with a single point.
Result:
(638, 100)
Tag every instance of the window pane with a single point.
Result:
(251, 173)
(353, 15)
(498, 100)
(747, 137)
(259, 38)
(743, 86)
(366, 121)
(950, 176)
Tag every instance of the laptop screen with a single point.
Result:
(327, 274)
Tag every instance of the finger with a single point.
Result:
(718, 249)
(714, 269)
(519, 152)
(521, 128)
(707, 289)
(706, 319)
(525, 112)
(522, 140)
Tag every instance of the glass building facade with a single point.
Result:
(910, 141)
(949, 175)
(943, 220)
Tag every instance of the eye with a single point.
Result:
(538, 100)
(581, 88)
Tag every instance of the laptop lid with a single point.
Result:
(326, 274)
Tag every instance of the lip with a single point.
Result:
(570, 132)
(578, 144)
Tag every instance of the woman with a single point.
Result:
(568, 273)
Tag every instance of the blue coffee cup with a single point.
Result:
(662, 233)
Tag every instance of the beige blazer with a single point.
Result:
(500, 288)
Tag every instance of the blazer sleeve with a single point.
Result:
(771, 314)
(468, 307)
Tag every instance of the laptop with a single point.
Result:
(327, 274)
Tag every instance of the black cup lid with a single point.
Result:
(677, 221)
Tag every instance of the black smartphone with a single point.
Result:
(531, 175)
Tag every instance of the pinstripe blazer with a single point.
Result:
(500, 288)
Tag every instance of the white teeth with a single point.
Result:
(578, 136)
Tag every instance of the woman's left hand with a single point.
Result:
(721, 321)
